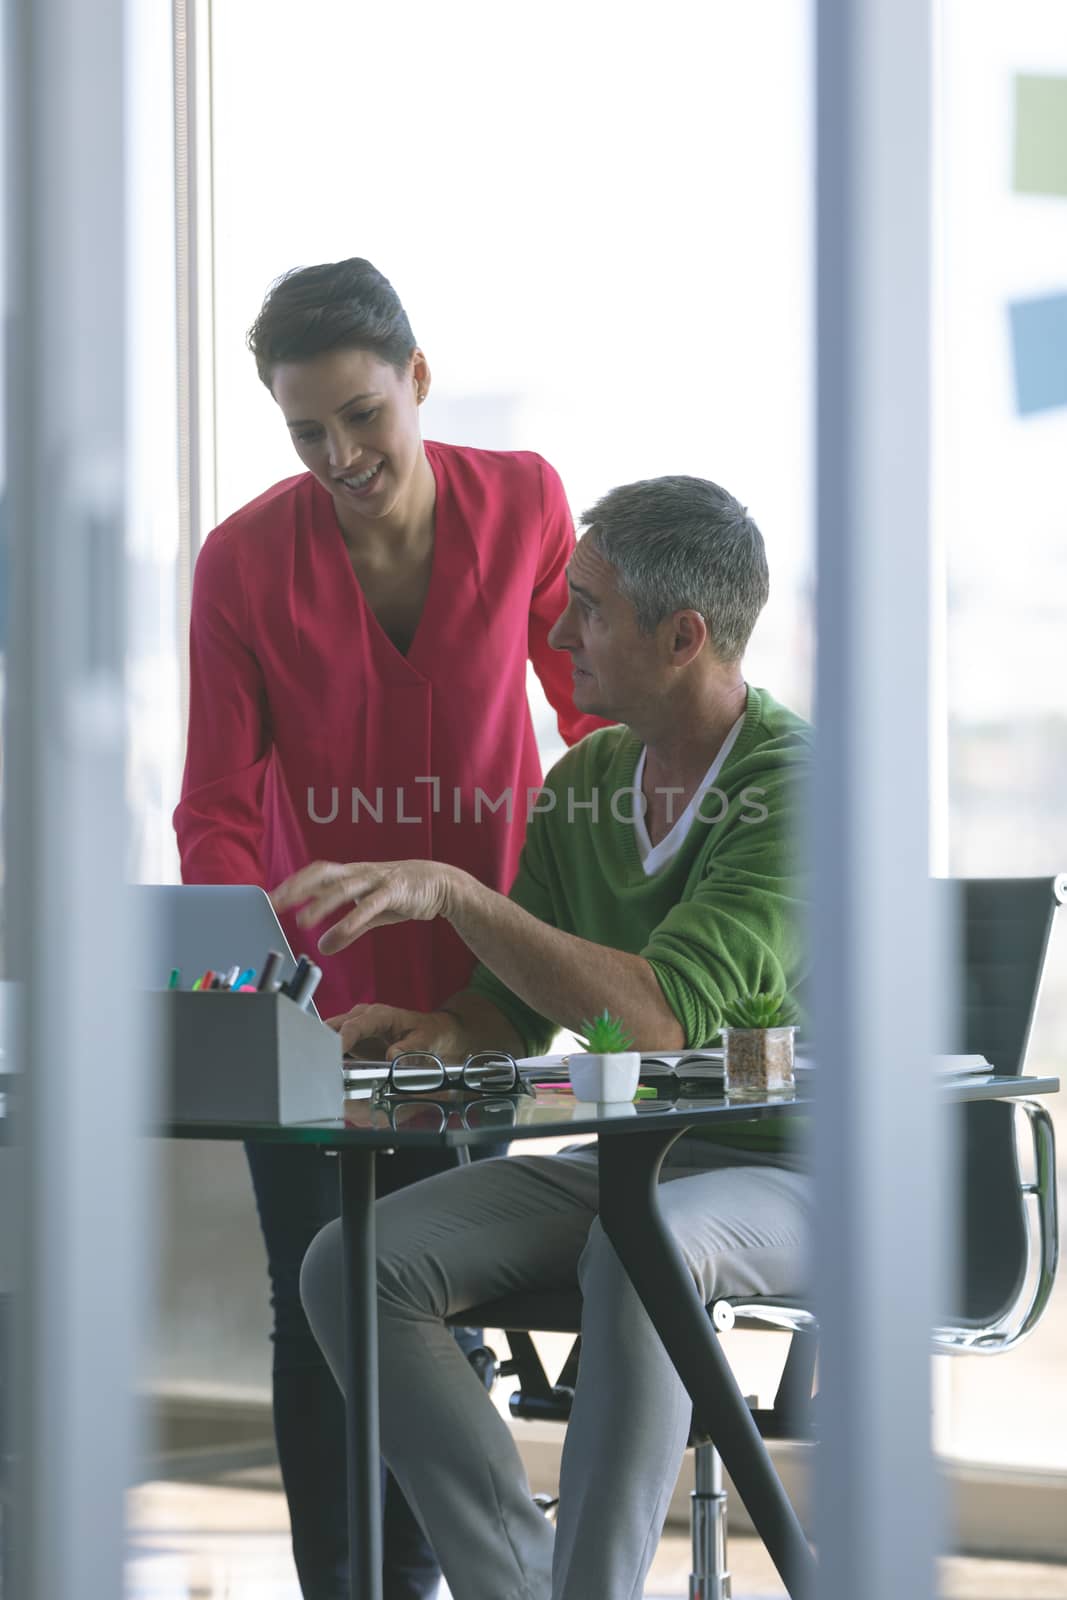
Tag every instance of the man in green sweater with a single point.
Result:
(659, 880)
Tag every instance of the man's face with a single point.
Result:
(354, 423)
(617, 668)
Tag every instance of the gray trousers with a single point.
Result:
(524, 1223)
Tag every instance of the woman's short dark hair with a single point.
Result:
(341, 305)
(681, 544)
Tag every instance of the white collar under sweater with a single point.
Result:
(655, 857)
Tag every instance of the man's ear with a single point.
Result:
(688, 635)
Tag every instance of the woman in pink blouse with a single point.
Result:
(358, 654)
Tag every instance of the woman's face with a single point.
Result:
(354, 422)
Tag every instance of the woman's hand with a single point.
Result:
(380, 893)
(397, 1030)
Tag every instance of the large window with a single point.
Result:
(600, 230)
(1001, 448)
(602, 233)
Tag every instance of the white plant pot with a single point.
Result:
(610, 1079)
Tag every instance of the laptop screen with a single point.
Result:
(197, 927)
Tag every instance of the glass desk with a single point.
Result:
(632, 1142)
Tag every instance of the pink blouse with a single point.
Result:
(311, 737)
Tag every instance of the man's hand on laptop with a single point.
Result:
(377, 1032)
(376, 893)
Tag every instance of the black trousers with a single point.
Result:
(297, 1193)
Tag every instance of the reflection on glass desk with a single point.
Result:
(452, 1118)
(455, 1115)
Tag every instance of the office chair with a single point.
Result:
(1009, 1227)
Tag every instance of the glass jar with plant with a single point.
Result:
(758, 1036)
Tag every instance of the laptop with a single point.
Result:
(195, 927)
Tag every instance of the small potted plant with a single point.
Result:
(758, 1035)
(610, 1069)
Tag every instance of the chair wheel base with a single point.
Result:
(485, 1364)
(547, 1504)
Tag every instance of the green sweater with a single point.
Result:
(724, 918)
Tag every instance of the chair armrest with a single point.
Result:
(762, 1311)
(1023, 1316)
(991, 1339)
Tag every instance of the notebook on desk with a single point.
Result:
(360, 1074)
(707, 1065)
(693, 1064)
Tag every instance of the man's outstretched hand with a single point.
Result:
(376, 894)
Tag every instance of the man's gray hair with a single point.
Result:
(684, 544)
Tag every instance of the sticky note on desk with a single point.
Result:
(1039, 352)
(1040, 135)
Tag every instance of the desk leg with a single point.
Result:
(631, 1218)
(361, 1374)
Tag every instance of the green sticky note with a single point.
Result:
(1040, 135)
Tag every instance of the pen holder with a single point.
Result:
(248, 1058)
